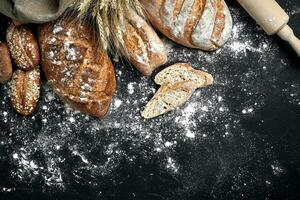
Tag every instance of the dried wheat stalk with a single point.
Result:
(109, 18)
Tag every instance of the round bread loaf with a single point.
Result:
(80, 73)
(202, 24)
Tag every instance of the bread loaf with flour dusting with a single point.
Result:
(202, 24)
(77, 69)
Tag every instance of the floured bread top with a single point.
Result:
(73, 63)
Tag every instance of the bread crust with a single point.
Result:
(78, 70)
(5, 64)
(143, 47)
(202, 24)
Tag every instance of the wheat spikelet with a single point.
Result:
(109, 16)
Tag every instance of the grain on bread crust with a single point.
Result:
(25, 90)
(23, 47)
(77, 69)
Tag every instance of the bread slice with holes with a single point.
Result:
(181, 72)
(169, 97)
(178, 82)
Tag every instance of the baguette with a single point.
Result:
(143, 47)
(202, 24)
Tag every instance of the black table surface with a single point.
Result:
(238, 139)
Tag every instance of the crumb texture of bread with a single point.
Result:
(168, 98)
(178, 82)
(183, 72)
(77, 69)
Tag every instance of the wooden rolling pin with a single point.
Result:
(273, 19)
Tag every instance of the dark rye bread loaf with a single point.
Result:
(202, 24)
(80, 73)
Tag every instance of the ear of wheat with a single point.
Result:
(109, 18)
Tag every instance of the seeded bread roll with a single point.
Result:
(25, 90)
(5, 64)
(80, 73)
(202, 24)
(143, 47)
(183, 72)
(23, 47)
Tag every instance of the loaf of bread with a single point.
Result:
(203, 24)
(23, 47)
(5, 64)
(78, 70)
(178, 82)
(142, 46)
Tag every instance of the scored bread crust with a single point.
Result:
(143, 47)
(158, 105)
(202, 24)
(79, 72)
(183, 72)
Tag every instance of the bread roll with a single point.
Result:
(80, 73)
(143, 47)
(202, 24)
(25, 90)
(5, 64)
(23, 47)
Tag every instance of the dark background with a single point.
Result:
(246, 146)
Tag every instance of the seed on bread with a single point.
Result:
(25, 90)
(23, 47)
(5, 64)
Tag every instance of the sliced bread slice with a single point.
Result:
(168, 97)
(183, 72)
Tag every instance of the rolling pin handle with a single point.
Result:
(287, 34)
